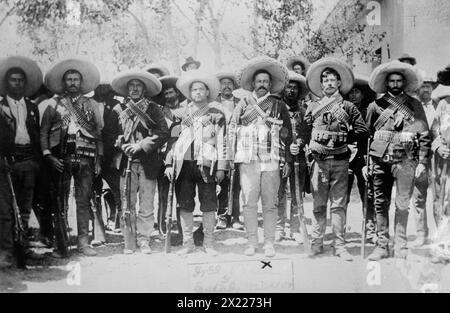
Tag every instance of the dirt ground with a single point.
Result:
(231, 271)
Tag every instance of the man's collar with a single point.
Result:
(225, 99)
(11, 100)
(390, 94)
(261, 98)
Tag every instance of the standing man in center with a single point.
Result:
(334, 123)
(142, 131)
(198, 157)
(263, 129)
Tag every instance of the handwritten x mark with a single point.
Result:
(266, 264)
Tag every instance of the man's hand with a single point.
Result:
(220, 176)
(169, 172)
(365, 172)
(287, 170)
(98, 166)
(131, 149)
(55, 163)
(295, 149)
(420, 170)
(444, 152)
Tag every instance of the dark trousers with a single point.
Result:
(6, 215)
(112, 178)
(191, 177)
(42, 202)
(224, 193)
(384, 177)
(420, 202)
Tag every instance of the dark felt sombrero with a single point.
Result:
(32, 72)
(190, 60)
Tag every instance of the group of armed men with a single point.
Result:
(296, 128)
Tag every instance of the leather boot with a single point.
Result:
(209, 219)
(187, 224)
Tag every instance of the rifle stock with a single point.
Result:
(366, 203)
(19, 230)
(232, 171)
(128, 220)
(170, 209)
(98, 225)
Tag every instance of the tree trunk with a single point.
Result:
(172, 42)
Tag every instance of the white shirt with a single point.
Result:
(430, 112)
(227, 107)
(73, 127)
(19, 111)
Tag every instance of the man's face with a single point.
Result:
(136, 89)
(171, 97)
(395, 84)
(226, 87)
(292, 90)
(16, 84)
(298, 68)
(199, 92)
(262, 84)
(72, 83)
(425, 91)
(330, 84)
(192, 66)
(356, 95)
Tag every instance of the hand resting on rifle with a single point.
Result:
(131, 149)
(169, 172)
(220, 176)
(444, 152)
(55, 163)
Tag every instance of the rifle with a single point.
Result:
(232, 172)
(170, 208)
(62, 235)
(443, 181)
(366, 203)
(128, 220)
(299, 195)
(19, 234)
(98, 225)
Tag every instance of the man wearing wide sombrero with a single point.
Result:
(260, 129)
(441, 149)
(334, 123)
(293, 96)
(399, 150)
(228, 102)
(190, 64)
(20, 78)
(142, 131)
(170, 99)
(361, 96)
(298, 64)
(198, 157)
(74, 120)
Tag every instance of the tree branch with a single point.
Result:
(8, 14)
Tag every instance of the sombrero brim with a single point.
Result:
(279, 72)
(316, 69)
(152, 84)
(157, 67)
(229, 75)
(440, 93)
(54, 77)
(185, 65)
(298, 59)
(185, 81)
(377, 81)
(32, 71)
(168, 82)
(293, 76)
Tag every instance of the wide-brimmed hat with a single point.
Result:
(152, 84)
(169, 81)
(187, 79)
(292, 61)
(32, 72)
(407, 57)
(362, 83)
(440, 92)
(227, 74)
(377, 81)
(279, 73)
(54, 77)
(158, 68)
(293, 76)
(190, 60)
(443, 77)
(313, 77)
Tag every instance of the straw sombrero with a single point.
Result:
(226, 74)
(185, 81)
(54, 77)
(32, 72)
(293, 76)
(317, 68)
(292, 61)
(279, 72)
(377, 81)
(152, 84)
(407, 57)
(158, 68)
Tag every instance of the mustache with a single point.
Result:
(262, 88)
